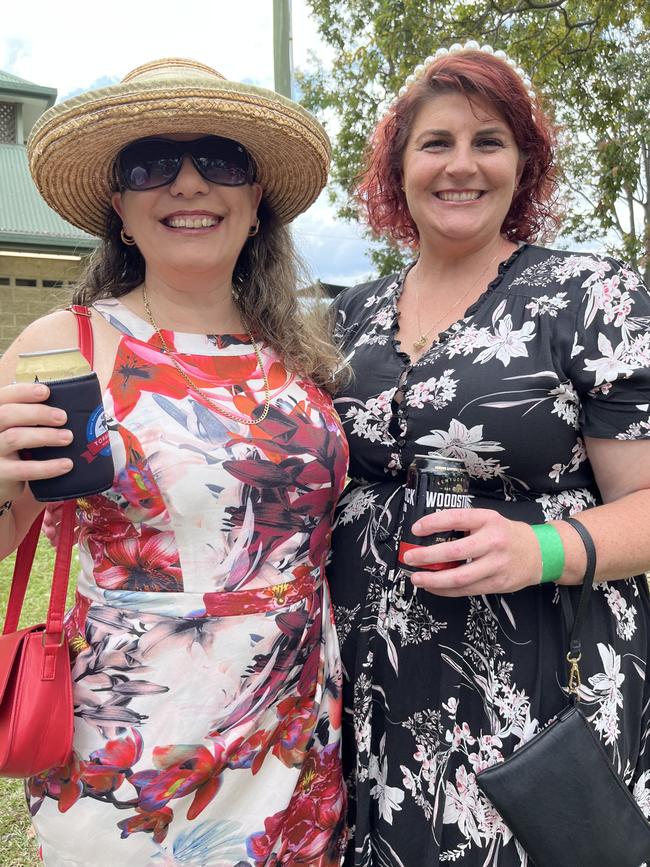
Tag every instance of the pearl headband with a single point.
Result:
(457, 48)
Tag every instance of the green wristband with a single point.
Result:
(552, 550)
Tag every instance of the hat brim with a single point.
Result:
(73, 146)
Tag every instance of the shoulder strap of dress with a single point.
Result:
(85, 331)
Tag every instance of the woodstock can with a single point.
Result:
(432, 484)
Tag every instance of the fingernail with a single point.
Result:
(65, 436)
(41, 391)
(58, 415)
(408, 557)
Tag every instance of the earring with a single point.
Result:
(254, 229)
(127, 239)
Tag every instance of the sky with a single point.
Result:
(74, 46)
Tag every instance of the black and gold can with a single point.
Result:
(432, 484)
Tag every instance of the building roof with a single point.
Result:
(20, 87)
(331, 289)
(26, 222)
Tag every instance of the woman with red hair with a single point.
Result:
(531, 368)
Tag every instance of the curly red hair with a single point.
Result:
(476, 74)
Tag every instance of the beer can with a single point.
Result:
(51, 365)
(74, 388)
(433, 483)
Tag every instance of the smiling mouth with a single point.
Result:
(459, 196)
(191, 222)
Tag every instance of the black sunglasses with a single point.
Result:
(155, 162)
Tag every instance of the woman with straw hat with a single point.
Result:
(206, 675)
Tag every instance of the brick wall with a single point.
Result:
(31, 287)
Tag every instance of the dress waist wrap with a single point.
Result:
(225, 603)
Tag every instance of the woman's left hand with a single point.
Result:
(503, 555)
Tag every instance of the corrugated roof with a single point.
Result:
(7, 76)
(25, 219)
(15, 84)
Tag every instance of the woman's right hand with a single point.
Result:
(26, 423)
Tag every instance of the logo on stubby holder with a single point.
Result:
(96, 436)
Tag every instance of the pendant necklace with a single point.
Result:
(215, 406)
(421, 342)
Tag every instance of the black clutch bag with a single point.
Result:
(559, 793)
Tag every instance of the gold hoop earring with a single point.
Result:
(127, 239)
(254, 229)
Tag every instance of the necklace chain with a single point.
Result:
(215, 406)
(420, 343)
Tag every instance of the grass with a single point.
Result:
(17, 842)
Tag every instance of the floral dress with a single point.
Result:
(436, 689)
(207, 671)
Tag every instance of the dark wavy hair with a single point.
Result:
(476, 74)
(265, 280)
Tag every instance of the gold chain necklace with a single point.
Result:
(215, 406)
(421, 342)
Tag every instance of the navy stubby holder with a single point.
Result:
(90, 450)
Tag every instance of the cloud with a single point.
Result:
(102, 81)
(335, 251)
(70, 46)
(14, 49)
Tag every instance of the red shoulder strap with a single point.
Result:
(22, 568)
(85, 331)
(27, 548)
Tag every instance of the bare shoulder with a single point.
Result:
(53, 331)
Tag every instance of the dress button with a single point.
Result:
(401, 442)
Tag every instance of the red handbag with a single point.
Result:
(36, 719)
(36, 709)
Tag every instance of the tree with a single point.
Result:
(590, 58)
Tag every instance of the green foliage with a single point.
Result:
(17, 841)
(588, 58)
(389, 258)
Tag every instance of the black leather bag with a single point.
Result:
(559, 793)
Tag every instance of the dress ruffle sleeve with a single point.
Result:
(610, 353)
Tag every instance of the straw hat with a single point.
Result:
(73, 146)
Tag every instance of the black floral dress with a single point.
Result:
(436, 689)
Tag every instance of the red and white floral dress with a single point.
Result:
(207, 672)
